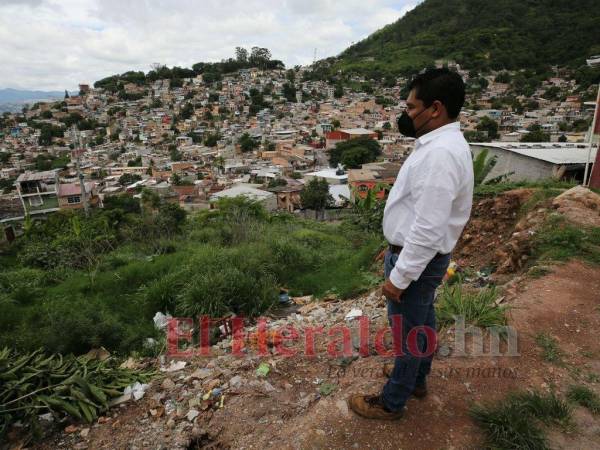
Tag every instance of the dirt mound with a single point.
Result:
(579, 205)
(491, 225)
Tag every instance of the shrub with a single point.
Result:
(478, 308)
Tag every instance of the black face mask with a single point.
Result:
(406, 125)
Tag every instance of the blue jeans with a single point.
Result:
(416, 308)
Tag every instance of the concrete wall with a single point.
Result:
(524, 168)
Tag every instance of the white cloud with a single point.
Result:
(55, 44)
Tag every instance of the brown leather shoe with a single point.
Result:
(371, 407)
(419, 391)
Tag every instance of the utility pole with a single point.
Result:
(78, 150)
(593, 61)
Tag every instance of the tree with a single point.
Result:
(535, 135)
(135, 162)
(370, 153)
(502, 77)
(315, 195)
(355, 157)
(218, 163)
(475, 136)
(124, 202)
(187, 111)
(176, 179)
(289, 92)
(175, 154)
(129, 178)
(277, 182)
(247, 143)
(211, 139)
(260, 56)
(488, 126)
(269, 146)
(387, 126)
(241, 55)
(170, 218)
(66, 94)
(338, 91)
(291, 75)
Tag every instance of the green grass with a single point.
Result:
(221, 263)
(477, 307)
(515, 422)
(558, 240)
(584, 396)
(550, 350)
(539, 199)
(547, 186)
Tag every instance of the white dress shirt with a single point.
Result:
(430, 202)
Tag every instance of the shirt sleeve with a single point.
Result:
(434, 185)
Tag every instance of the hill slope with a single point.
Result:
(481, 34)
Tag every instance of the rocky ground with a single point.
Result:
(298, 402)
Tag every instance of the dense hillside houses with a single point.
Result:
(192, 136)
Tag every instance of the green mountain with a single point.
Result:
(481, 35)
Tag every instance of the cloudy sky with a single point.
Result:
(55, 44)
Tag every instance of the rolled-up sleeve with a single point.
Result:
(434, 187)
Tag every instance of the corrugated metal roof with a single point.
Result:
(558, 155)
(555, 153)
(34, 176)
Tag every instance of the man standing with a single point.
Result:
(425, 213)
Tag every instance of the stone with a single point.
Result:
(202, 373)
(168, 384)
(84, 433)
(192, 414)
(70, 429)
(236, 382)
(342, 405)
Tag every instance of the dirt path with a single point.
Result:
(288, 412)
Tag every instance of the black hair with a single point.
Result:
(442, 85)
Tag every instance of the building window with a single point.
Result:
(73, 199)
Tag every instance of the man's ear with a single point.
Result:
(438, 109)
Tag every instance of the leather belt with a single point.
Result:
(396, 249)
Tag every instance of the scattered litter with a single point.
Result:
(192, 414)
(48, 417)
(263, 370)
(119, 400)
(129, 363)
(303, 300)
(98, 353)
(161, 320)
(137, 390)
(284, 298)
(174, 366)
(353, 314)
(236, 382)
(202, 373)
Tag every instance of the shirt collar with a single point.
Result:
(428, 137)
